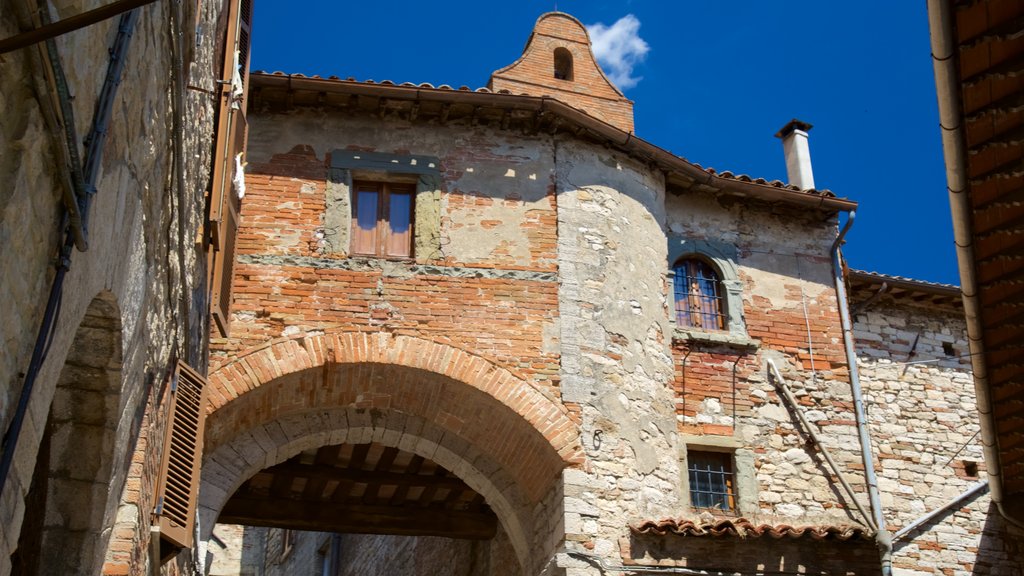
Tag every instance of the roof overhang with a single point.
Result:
(978, 53)
(537, 113)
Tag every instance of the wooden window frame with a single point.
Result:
(721, 494)
(382, 230)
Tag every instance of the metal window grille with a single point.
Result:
(698, 296)
(710, 480)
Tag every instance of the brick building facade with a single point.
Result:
(576, 328)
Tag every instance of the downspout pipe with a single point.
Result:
(882, 537)
(944, 60)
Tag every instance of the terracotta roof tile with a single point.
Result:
(867, 275)
(743, 528)
(724, 175)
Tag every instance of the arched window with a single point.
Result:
(698, 295)
(563, 64)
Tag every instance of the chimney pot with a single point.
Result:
(798, 153)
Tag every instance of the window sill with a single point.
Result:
(716, 338)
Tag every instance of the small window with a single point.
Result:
(382, 218)
(971, 468)
(563, 64)
(698, 295)
(711, 480)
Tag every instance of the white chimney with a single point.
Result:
(798, 153)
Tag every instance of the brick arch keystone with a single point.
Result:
(276, 358)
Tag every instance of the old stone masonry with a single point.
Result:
(300, 325)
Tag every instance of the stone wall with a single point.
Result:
(916, 373)
(589, 324)
(615, 336)
(140, 259)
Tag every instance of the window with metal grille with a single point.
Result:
(382, 218)
(711, 480)
(179, 468)
(698, 295)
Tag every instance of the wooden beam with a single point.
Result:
(69, 24)
(290, 470)
(359, 518)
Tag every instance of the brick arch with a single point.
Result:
(238, 459)
(278, 358)
(495, 431)
(71, 502)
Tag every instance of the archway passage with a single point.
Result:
(362, 489)
(74, 490)
(478, 423)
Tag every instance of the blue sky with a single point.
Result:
(718, 79)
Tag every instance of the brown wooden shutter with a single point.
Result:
(224, 204)
(179, 467)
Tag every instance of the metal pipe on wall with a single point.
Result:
(882, 537)
(787, 395)
(85, 182)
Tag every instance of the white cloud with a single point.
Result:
(619, 48)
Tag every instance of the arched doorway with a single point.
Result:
(495, 434)
(71, 498)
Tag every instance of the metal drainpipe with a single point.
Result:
(971, 491)
(882, 537)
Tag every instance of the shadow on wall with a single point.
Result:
(757, 554)
(71, 497)
(1000, 550)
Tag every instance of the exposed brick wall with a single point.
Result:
(552, 272)
(589, 89)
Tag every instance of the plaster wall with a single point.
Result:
(616, 365)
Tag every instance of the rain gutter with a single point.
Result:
(944, 60)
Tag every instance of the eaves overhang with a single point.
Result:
(543, 113)
(978, 56)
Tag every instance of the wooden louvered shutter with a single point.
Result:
(179, 467)
(224, 204)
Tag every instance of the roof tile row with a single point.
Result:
(727, 175)
(743, 528)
